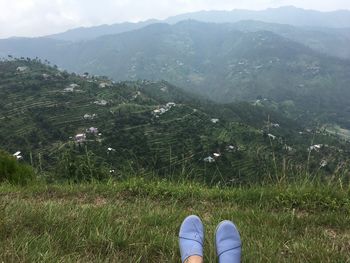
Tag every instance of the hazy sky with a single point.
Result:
(42, 17)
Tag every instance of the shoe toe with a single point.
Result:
(191, 237)
(228, 242)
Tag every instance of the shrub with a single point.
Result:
(80, 166)
(14, 172)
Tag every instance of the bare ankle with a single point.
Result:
(194, 259)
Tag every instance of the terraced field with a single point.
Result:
(42, 111)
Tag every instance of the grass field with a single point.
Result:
(137, 220)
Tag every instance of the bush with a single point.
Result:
(14, 172)
(80, 166)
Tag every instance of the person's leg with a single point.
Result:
(228, 243)
(191, 240)
(194, 259)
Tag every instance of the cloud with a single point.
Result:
(314, 4)
(43, 17)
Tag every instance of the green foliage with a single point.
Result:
(44, 118)
(224, 62)
(14, 172)
(137, 220)
(76, 166)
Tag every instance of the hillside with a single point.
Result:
(111, 135)
(328, 41)
(213, 60)
(60, 121)
(86, 33)
(283, 15)
(319, 33)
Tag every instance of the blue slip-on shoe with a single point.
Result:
(191, 237)
(228, 243)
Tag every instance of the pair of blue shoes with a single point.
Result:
(227, 239)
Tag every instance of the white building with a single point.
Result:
(81, 137)
(209, 159)
(273, 137)
(315, 147)
(101, 102)
(104, 85)
(69, 89)
(170, 104)
(92, 130)
(230, 148)
(89, 116)
(288, 148)
(18, 155)
(73, 86)
(22, 69)
(323, 163)
(45, 76)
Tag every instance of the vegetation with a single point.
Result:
(94, 170)
(105, 171)
(137, 220)
(153, 127)
(121, 196)
(214, 60)
(13, 172)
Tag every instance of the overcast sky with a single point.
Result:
(43, 17)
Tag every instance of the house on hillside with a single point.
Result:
(101, 102)
(271, 136)
(214, 120)
(104, 85)
(138, 93)
(18, 155)
(209, 159)
(68, 90)
(170, 105)
(46, 76)
(288, 148)
(92, 130)
(323, 163)
(22, 69)
(81, 137)
(231, 148)
(89, 116)
(85, 75)
(315, 147)
(164, 89)
(73, 86)
(257, 103)
(164, 109)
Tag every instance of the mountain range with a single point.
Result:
(326, 32)
(303, 69)
(53, 118)
(213, 60)
(284, 15)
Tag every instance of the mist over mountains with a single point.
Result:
(297, 58)
(284, 15)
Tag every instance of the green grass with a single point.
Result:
(137, 220)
